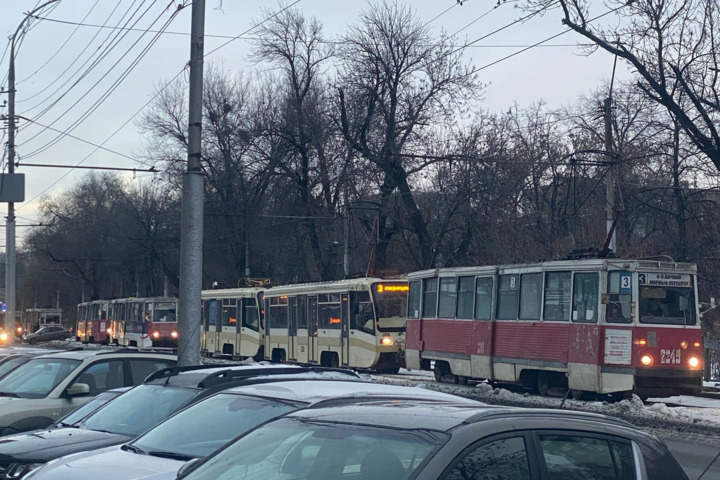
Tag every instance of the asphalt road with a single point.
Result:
(696, 455)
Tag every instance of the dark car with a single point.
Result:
(45, 334)
(430, 441)
(210, 423)
(136, 411)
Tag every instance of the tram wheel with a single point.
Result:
(439, 371)
(543, 383)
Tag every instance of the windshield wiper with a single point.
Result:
(173, 455)
(9, 394)
(132, 448)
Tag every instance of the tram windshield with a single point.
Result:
(667, 305)
(164, 312)
(390, 305)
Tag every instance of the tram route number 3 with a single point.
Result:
(669, 356)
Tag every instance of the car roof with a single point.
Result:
(82, 354)
(206, 376)
(321, 391)
(417, 414)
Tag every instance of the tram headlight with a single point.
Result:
(156, 334)
(694, 362)
(109, 331)
(387, 341)
(646, 360)
(174, 334)
(3, 336)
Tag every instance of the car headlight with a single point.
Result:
(19, 470)
(3, 336)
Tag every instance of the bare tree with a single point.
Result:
(397, 83)
(674, 47)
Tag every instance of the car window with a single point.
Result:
(101, 376)
(37, 378)
(496, 460)
(213, 421)
(575, 457)
(139, 409)
(141, 368)
(86, 408)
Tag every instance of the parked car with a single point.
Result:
(116, 422)
(207, 425)
(45, 334)
(43, 389)
(431, 441)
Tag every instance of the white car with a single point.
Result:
(45, 388)
(203, 427)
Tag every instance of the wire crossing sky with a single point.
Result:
(86, 69)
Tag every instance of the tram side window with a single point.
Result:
(430, 286)
(414, 300)
(530, 296)
(212, 309)
(329, 311)
(250, 317)
(278, 312)
(483, 298)
(585, 298)
(229, 313)
(507, 298)
(465, 294)
(448, 296)
(618, 308)
(557, 296)
(362, 317)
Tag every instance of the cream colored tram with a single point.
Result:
(356, 323)
(232, 322)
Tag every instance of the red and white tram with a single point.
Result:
(606, 326)
(141, 322)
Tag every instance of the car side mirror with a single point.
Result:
(187, 466)
(77, 389)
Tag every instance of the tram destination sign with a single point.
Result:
(665, 279)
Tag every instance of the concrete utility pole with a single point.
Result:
(10, 251)
(610, 185)
(191, 227)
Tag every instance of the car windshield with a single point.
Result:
(11, 364)
(87, 408)
(213, 423)
(139, 409)
(290, 448)
(37, 377)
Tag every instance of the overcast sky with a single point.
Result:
(102, 106)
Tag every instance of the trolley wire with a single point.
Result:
(104, 95)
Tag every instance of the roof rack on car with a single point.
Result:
(230, 372)
(167, 350)
(534, 412)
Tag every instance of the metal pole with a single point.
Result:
(10, 224)
(191, 227)
(610, 185)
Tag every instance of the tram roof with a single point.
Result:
(333, 286)
(558, 265)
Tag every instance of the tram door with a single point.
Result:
(211, 325)
(312, 331)
(345, 326)
(292, 346)
(299, 320)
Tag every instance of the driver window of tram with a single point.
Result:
(618, 307)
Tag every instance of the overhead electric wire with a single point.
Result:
(107, 93)
(60, 48)
(112, 43)
(162, 89)
(98, 52)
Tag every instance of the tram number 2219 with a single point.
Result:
(670, 356)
